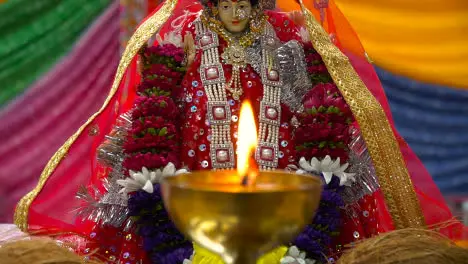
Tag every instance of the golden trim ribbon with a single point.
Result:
(382, 145)
(141, 36)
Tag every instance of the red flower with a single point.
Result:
(311, 132)
(313, 57)
(315, 97)
(308, 48)
(152, 139)
(325, 125)
(160, 70)
(150, 160)
(155, 106)
(320, 68)
(166, 50)
(150, 142)
(308, 153)
(140, 129)
(163, 82)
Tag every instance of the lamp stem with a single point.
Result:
(243, 258)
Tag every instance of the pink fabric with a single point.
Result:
(36, 124)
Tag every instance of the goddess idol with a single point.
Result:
(174, 108)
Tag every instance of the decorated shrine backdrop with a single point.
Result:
(58, 57)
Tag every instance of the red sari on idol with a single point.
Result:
(396, 191)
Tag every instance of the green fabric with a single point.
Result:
(35, 34)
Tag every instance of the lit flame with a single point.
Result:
(247, 141)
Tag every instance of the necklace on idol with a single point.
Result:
(216, 89)
(235, 52)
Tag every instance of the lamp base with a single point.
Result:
(241, 259)
(241, 223)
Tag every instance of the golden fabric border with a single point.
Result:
(390, 167)
(141, 36)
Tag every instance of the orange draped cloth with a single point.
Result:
(422, 41)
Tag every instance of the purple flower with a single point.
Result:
(317, 238)
(161, 239)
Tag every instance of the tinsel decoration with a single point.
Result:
(107, 206)
(104, 207)
(361, 164)
(296, 83)
(110, 152)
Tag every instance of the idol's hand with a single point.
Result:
(189, 47)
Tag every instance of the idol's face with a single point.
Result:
(235, 15)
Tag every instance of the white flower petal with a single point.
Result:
(302, 255)
(294, 252)
(153, 177)
(168, 170)
(287, 260)
(344, 167)
(122, 183)
(343, 180)
(145, 171)
(335, 165)
(181, 171)
(327, 161)
(129, 185)
(316, 164)
(303, 163)
(351, 176)
(158, 174)
(140, 178)
(328, 176)
(148, 187)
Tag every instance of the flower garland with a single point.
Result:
(152, 144)
(322, 137)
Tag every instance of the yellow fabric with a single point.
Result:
(203, 256)
(423, 40)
